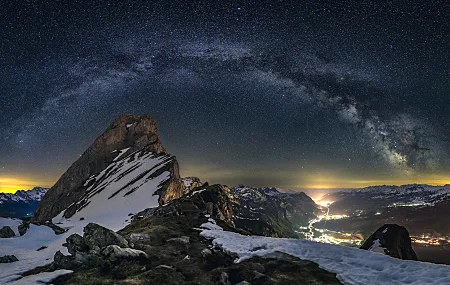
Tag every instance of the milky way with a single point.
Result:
(310, 100)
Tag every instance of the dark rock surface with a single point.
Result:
(138, 133)
(6, 232)
(394, 240)
(23, 227)
(8, 259)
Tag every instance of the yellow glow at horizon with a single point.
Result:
(12, 184)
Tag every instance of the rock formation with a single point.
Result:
(6, 232)
(392, 240)
(127, 134)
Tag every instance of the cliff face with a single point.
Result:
(127, 135)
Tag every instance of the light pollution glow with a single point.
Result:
(12, 183)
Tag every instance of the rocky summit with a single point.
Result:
(126, 135)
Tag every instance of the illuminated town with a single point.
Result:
(356, 239)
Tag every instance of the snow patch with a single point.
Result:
(353, 266)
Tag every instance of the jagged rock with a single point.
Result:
(23, 227)
(97, 237)
(137, 133)
(75, 243)
(115, 252)
(7, 232)
(8, 259)
(191, 183)
(392, 240)
(244, 283)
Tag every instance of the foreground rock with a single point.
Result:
(8, 259)
(7, 232)
(128, 134)
(96, 248)
(165, 248)
(393, 240)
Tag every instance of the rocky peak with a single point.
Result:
(127, 134)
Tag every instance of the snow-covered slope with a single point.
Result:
(352, 266)
(128, 185)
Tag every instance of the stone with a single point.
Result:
(97, 237)
(8, 259)
(206, 252)
(23, 227)
(115, 252)
(393, 240)
(181, 240)
(7, 232)
(75, 243)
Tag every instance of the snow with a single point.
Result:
(41, 278)
(12, 223)
(353, 266)
(385, 230)
(376, 247)
(129, 125)
(103, 208)
(25, 249)
(211, 226)
(121, 152)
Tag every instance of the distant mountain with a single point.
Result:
(422, 209)
(22, 203)
(269, 212)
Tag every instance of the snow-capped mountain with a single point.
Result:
(422, 209)
(22, 203)
(374, 198)
(34, 194)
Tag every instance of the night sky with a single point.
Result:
(266, 93)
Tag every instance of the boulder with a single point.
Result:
(6, 232)
(392, 240)
(115, 252)
(8, 259)
(97, 237)
(75, 243)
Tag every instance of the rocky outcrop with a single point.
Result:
(8, 259)
(126, 135)
(6, 232)
(98, 246)
(190, 183)
(393, 240)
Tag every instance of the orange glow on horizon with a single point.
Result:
(12, 184)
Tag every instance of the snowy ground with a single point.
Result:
(353, 266)
(104, 209)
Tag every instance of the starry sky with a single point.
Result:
(292, 94)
